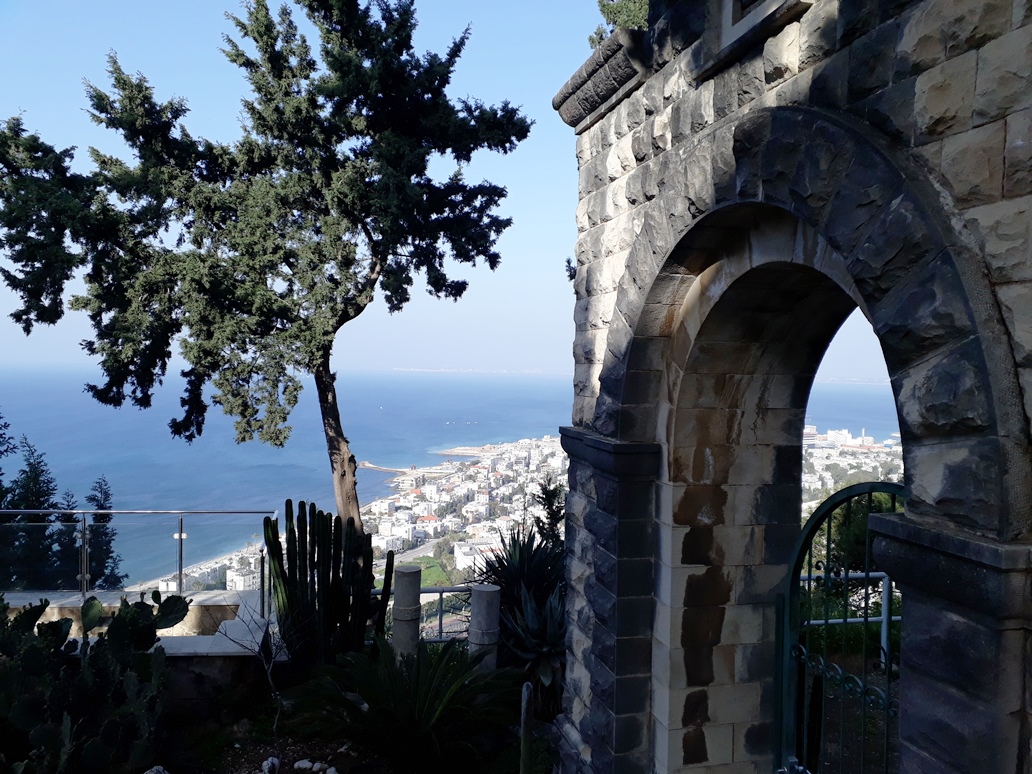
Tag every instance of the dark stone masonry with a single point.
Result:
(751, 173)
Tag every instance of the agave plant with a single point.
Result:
(531, 574)
(444, 706)
(536, 636)
(525, 562)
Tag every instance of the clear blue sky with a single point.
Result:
(518, 318)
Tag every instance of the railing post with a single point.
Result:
(407, 578)
(485, 610)
(84, 559)
(261, 577)
(886, 618)
(440, 614)
(180, 536)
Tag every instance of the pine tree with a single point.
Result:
(43, 551)
(628, 14)
(284, 236)
(34, 488)
(65, 541)
(7, 448)
(103, 560)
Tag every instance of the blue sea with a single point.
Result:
(393, 419)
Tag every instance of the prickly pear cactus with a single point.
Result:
(68, 706)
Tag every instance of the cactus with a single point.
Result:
(322, 584)
(82, 707)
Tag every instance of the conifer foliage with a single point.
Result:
(41, 551)
(252, 255)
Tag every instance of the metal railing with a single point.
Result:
(885, 615)
(80, 521)
(440, 591)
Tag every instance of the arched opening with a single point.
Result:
(686, 459)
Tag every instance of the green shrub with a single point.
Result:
(531, 574)
(82, 707)
(426, 712)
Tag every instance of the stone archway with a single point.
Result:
(751, 246)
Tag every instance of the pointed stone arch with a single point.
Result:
(751, 246)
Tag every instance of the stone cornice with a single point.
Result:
(618, 61)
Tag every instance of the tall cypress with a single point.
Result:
(104, 561)
(279, 238)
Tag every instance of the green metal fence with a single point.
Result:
(838, 643)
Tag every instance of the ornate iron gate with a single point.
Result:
(838, 642)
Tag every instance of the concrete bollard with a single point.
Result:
(405, 635)
(485, 607)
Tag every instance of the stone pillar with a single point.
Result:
(610, 543)
(405, 633)
(485, 612)
(963, 672)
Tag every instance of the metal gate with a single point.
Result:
(838, 643)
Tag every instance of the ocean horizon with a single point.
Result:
(394, 419)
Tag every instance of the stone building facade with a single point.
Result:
(750, 173)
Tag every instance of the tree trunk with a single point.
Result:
(342, 461)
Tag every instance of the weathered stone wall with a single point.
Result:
(743, 186)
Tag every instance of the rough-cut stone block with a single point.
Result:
(747, 624)
(828, 155)
(750, 79)
(701, 506)
(1017, 314)
(829, 82)
(946, 396)
(954, 728)
(951, 646)
(754, 661)
(1004, 83)
(701, 112)
(866, 189)
(754, 740)
(957, 483)
(892, 110)
(735, 703)
(856, 18)
(701, 627)
(923, 314)
(899, 239)
(818, 32)
(707, 589)
(971, 164)
(781, 56)
(945, 98)
(1017, 179)
(1022, 13)
(870, 60)
(785, 145)
(921, 44)
(1005, 229)
(725, 91)
(759, 585)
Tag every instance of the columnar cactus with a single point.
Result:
(322, 586)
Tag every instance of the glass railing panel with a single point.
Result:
(147, 549)
(38, 554)
(222, 551)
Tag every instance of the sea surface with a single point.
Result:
(394, 419)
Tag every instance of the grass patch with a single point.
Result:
(433, 574)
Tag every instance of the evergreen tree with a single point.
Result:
(551, 496)
(42, 551)
(65, 543)
(7, 448)
(34, 488)
(629, 14)
(283, 236)
(103, 560)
